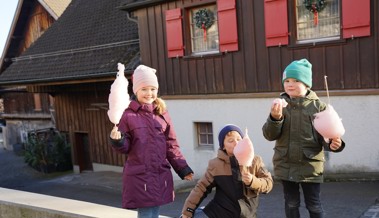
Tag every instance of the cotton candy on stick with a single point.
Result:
(118, 98)
(328, 123)
(244, 151)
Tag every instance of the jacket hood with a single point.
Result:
(222, 155)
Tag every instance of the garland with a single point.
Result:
(317, 7)
(204, 18)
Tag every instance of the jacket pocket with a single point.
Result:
(280, 153)
(135, 169)
(314, 154)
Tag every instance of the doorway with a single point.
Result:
(83, 152)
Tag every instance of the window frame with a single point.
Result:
(315, 40)
(188, 36)
(209, 135)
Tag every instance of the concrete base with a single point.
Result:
(15, 203)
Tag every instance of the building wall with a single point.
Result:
(350, 64)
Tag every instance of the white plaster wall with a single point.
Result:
(359, 115)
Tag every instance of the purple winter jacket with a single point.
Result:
(149, 141)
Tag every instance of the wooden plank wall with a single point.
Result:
(22, 103)
(349, 64)
(76, 114)
(38, 22)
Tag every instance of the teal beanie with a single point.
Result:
(300, 70)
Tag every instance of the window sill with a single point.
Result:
(317, 43)
(204, 55)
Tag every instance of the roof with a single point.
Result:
(20, 19)
(86, 42)
(55, 8)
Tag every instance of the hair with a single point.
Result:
(161, 106)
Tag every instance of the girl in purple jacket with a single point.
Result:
(146, 135)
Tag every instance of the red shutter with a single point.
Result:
(227, 25)
(355, 18)
(174, 33)
(276, 22)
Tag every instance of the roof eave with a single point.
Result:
(141, 4)
(107, 76)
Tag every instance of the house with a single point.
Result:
(221, 61)
(75, 62)
(217, 61)
(23, 111)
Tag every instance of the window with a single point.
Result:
(317, 20)
(204, 30)
(204, 135)
(37, 102)
(218, 34)
(345, 19)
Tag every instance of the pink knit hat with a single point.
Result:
(144, 76)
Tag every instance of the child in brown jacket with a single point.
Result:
(237, 191)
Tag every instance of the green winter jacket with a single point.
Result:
(299, 148)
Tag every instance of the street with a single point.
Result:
(347, 199)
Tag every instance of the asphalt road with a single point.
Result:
(345, 199)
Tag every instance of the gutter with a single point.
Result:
(141, 4)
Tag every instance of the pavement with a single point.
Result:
(342, 195)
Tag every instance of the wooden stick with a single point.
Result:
(327, 90)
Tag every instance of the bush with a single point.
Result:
(48, 152)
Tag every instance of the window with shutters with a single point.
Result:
(210, 28)
(204, 30)
(317, 20)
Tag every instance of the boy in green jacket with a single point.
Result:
(299, 149)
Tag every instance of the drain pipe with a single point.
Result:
(130, 17)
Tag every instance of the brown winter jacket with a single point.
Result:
(232, 197)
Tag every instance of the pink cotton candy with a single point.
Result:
(280, 101)
(328, 124)
(118, 98)
(244, 151)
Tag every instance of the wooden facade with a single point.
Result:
(350, 64)
(81, 111)
(39, 21)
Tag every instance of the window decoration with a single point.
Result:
(204, 19)
(315, 8)
(204, 31)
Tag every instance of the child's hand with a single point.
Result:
(335, 144)
(277, 110)
(184, 216)
(189, 177)
(247, 177)
(115, 134)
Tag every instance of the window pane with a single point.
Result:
(327, 27)
(204, 135)
(204, 39)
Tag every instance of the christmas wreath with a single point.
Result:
(204, 18)
(314, 7)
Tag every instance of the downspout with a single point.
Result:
(130, 17)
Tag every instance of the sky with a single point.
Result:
(7, 10)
